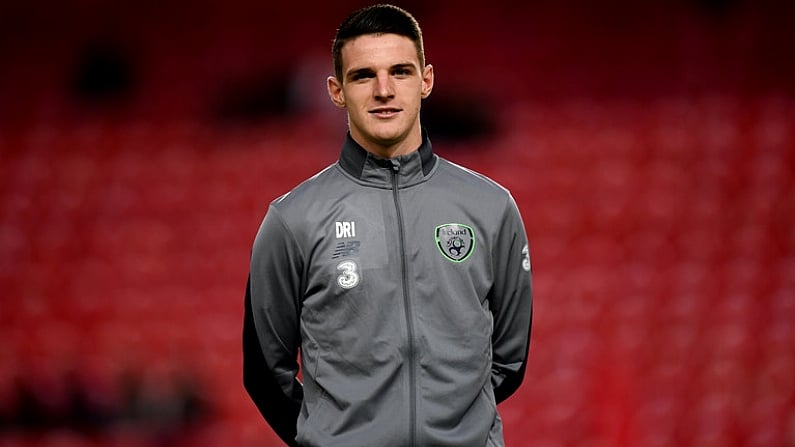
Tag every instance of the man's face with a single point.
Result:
(382, 87)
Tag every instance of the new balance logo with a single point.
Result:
(345, 249)
(345, 229)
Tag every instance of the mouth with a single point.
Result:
(384, 112)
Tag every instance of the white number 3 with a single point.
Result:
(349, 277)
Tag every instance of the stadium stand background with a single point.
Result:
(650, 145)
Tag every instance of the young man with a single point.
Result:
(402, 279)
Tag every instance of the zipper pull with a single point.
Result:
(395, 165)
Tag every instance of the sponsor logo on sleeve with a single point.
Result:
(526, 258)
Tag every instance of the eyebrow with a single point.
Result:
(405, 65)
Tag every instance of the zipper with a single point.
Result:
(406, 306)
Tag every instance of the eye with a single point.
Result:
(361, 75)
(402, 71)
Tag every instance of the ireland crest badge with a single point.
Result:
(455, 241)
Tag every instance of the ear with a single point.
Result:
(427, 81)
(335, 91)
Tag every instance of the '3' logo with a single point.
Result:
(349, 278)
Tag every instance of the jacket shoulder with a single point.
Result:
(310, 190)
(463, 177)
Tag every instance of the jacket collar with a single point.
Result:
(412, 168)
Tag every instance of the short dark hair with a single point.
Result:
(376, 19)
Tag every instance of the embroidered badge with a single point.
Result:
(455, 241)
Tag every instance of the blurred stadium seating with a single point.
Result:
(651, 150)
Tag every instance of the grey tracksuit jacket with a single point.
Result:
(406, 285)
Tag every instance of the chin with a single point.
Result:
(392, 135)
(385, 135)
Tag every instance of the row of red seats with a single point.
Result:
(663, 261)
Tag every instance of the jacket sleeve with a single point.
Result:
(510, 301)
(271, 330)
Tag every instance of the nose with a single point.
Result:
(383, 87)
